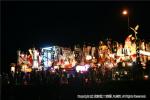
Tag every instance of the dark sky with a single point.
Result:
(40, 24)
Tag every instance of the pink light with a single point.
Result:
(22, 55)
(64, 70)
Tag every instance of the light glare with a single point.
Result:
(125, 12)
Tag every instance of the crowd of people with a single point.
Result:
(94, 75)
(58, 77)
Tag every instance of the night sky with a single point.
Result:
(41, 24)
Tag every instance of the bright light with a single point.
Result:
(111, 55)
(82, 68)
(136, 28)
(87, 66)
(125, 12)
(145, 77)
(144, 53)
(56, 67)
(22, 55)
(88, 57)
(48, 48)
(35, 64)
(110, 65)
(49, 63)
(64, 70)
(40, 59)
(79, 68)
(30, 51)
(52, 68)
(66, 62)
(13, 69)
(24, 68)
(99, 64)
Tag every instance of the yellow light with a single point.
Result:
(125, 12)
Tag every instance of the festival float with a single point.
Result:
(107, 55)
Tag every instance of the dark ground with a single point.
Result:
(53, 92)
